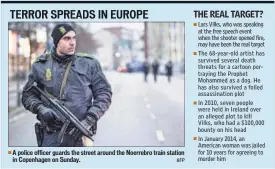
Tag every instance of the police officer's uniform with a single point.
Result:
(86, 92)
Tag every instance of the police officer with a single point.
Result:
(86, 92)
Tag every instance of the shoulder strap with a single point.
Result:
(85, 55)
(63, 81)
(65, 78)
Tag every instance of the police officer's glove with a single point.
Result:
(45, 114)
(88, 123)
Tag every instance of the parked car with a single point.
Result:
(122, 69)
(134, 66)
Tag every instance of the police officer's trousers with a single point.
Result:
(50, 140)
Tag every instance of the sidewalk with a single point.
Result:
(13, 85)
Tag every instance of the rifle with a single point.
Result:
(67, 118)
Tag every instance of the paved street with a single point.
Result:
(141, 114)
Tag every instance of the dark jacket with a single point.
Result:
(169, 69)
(155, 67)
(146, 67)
(87, 90)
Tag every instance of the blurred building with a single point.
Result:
(138, 46)
(166, 41)
(124, 44)
(26, 41)
(118, 46)
(85, 42)
(106, 52)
